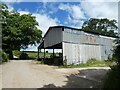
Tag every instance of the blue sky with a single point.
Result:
(71, 14)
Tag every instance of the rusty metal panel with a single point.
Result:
(80, 38)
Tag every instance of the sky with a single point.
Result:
(65, 13)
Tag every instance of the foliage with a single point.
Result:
(18, 31)
(65, 62)
(101, 26)
(23, 56)
(116, 52)
(90, 63)
(4, 57)
(17, 53)
(51, 56)
(112, 78)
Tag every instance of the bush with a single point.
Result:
(23, 56)
(112, 78)
(92, 61)
(17, 53)
(4, 57)
(51, 56)
(116, 54)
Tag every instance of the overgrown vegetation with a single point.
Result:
(90, 63)
(3, 57)
(113, 76)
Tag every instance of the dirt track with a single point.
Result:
(26, 74)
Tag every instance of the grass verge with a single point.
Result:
(90, 63)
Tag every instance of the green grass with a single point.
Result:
(33, 54)
(90, 63)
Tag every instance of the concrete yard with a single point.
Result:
(26, 74)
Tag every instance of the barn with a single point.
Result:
(77, 46)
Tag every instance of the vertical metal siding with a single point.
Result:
(80, 53)
(78, 48)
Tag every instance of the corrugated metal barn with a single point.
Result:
(77, 45)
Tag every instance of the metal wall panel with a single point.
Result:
(53, 37)
(80, 38)
(80, 53)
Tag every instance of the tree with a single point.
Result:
(101, 26)
(116, 52)
(18, 31)
(112, 78)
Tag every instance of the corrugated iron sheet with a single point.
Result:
(80, 53)
(53, 37)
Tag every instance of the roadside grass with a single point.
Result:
(90, 63)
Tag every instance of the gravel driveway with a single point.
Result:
(26, 74)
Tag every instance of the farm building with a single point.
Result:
(77, 45)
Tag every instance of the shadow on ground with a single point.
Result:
(92, 78)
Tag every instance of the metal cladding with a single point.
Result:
(53, 37)
(79, 46)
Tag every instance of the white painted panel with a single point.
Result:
(80, 53)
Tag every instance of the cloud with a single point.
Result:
(23, 12)
(30, 48)
(12, 1)
(10, 8)
(75, 11)
(75, 14)
(101, 9)
(45, 22)
(78, 13)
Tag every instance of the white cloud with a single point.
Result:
(10, 8)
(23, 12)
(101, 9)
(64, 7)
(12, 0)
(75, 14)
(75, 11)
(30, 48)
(45, 22)
(90, 9)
